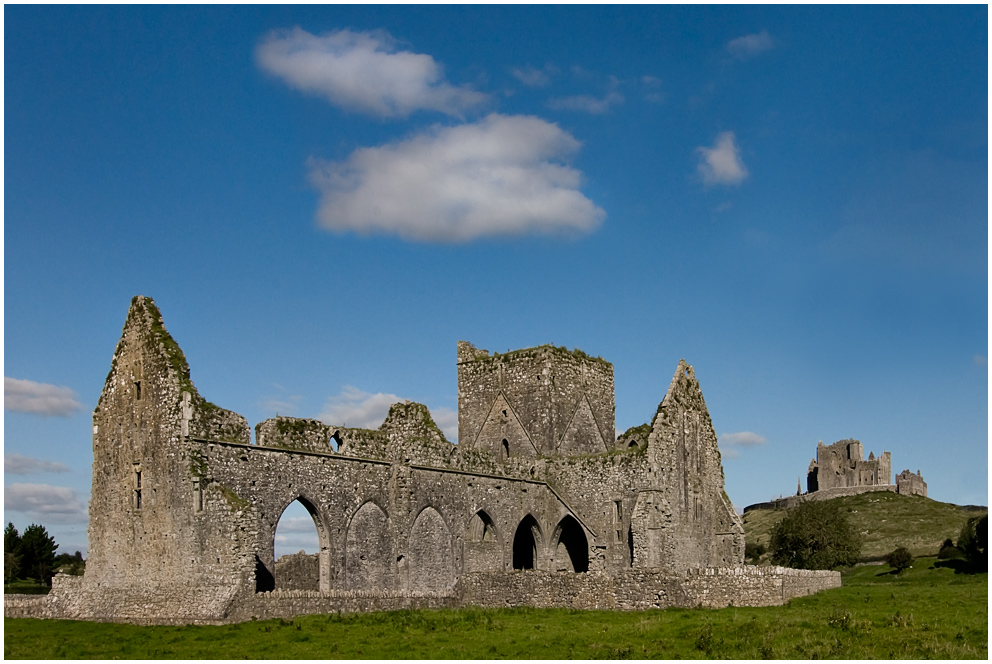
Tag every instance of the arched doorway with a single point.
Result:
(300, 551)
(525, 543)
(571, 546)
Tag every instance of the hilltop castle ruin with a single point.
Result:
(539, 505)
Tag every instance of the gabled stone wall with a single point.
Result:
(185, 507)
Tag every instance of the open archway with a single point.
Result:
(571, 546)
(300, 551)
(525, 543)
(483, 547)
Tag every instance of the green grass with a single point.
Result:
(886, 520)
(925, 612)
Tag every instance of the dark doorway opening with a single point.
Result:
(573, 545)
(525, 543)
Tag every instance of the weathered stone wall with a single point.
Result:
(298, 571)
(911, 484)
(683, 519)
(185, 508)
(541, 401)
(824, 494)
(842, 465)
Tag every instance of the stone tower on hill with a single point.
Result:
(185, 506)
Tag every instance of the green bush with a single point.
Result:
(949, 552)
(899, 559)
(815, 535)
(754, 550)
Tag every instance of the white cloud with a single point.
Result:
(297, 524)
(501, 175)
(27, 396)
(447, 421)
(46, 503)
(357, 409)
(17, 464)
(533, 77)
(587, 103)
(751, 45)
(722, 163)
(732, 443)
(363, 71)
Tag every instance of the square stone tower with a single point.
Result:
(535, 401)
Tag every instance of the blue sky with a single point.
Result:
(323, 200)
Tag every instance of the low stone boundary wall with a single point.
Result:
(290, 603)
(627, 591)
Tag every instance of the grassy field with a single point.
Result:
(926, 612)
(886, 520)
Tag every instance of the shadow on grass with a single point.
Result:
(963, 566)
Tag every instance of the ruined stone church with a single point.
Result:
(538, 505)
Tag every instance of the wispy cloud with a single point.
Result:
(281, 403)
(17, 464)
(364, 72)
(751, 45)
(502, 175)
(447, 420)
(721, 164)
(46, 503)
(651, 86)
(731, 444)
(358, 409)
(533, 77)
(587, 103)
(590, 103)
(27, 396)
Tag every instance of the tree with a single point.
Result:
(11, 552)
(815, 535)
(70, 564)
(974, 541)
(948, 551)
(38, 553)
(899, 559)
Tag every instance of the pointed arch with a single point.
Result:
(527, 541)
(571, 547)
(483, 544)
(369, 549)
(304, 575)
(431, 566)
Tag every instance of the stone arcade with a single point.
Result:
(537, 506)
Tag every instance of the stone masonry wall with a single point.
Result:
(184, 507)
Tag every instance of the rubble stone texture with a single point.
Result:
(184, 506)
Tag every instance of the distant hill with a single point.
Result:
(885, 520)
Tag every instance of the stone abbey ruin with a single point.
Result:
(538, 505)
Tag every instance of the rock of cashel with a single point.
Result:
(539, 504)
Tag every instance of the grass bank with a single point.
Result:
(886, 521)
(926, 612)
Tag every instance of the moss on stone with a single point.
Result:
(236, 502)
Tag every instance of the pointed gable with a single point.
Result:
(582, 435)
(502, 433)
